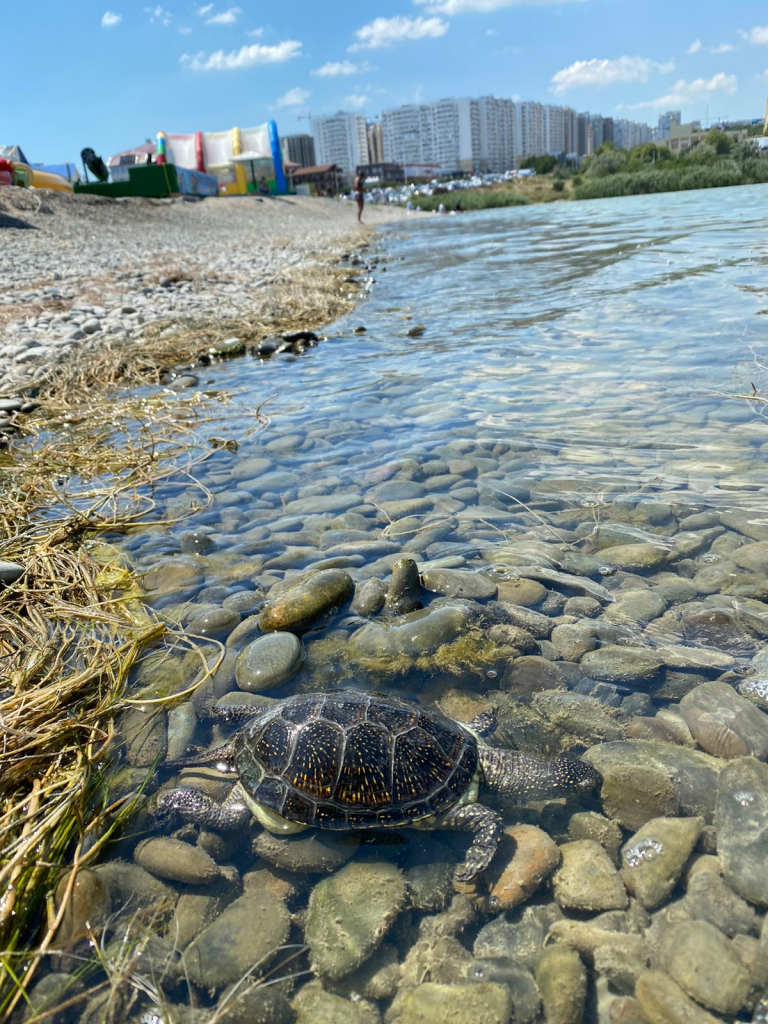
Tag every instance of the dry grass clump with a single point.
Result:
(304, 298)
(71, 629)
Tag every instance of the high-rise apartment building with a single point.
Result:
(298, 149)
(607, 129)
(666, 121)
(598, 130)
(497, 134)
(445, 134)
(375, 143)
(530, 136)
(341, 140)
(583, 134)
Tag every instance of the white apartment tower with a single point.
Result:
(672, 117)
(341, 140)
(497, 134)
(446, 134)
(530, 135)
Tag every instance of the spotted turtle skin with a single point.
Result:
(350, 760)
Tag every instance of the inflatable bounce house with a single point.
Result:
(238, 158)
(15, 169)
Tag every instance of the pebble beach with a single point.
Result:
(78, 270)
(523, 477)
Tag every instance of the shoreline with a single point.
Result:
(72, 622)
(83, 273)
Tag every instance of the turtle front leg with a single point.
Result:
(487, 829)
(193, 805)
(525, 776)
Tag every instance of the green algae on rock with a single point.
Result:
(301, 606)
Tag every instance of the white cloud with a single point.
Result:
(228, 17)
(357, 100)
(340, 67)
(722, 48)
(293, 98)
(695, 46)
(185, 30)
(158, 14)
(479, 6)
(757, 35)
(382, 32)
(596, 73)
(256, 33)
(205, 9)
(110, 20)
(686, 93)
(245, 57)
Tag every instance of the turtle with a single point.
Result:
(352, 759)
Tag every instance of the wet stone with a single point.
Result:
(193, 542)
(639, 606)
(216, 624)
(590, 825)
(369, 597)
(532, 673)
(176, 861)
(50, 992)
(459, 583)
(587, 880)
(312, 852)
(742, 837)
(573, 641)
(622, 664)
(523, 592)
(709, 898)
(298, 608)
(654, 858)
(249, 931)
(268, 662)
(350, 913)
(180, 577)
(706, 965)
(724, 723)
(634, 794)
(313, 1005)
(404, 591)
(662, 1001)
(693, 774)
(583, 607)
(635, 557)
(562, 981)
(432, 1003)
(88, 906)
(10, 572)
(525, 859)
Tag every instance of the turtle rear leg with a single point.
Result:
(525, 776)
(195, 806)
(487, 829)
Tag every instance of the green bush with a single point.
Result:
(558, 184)
(472, 199)
(673, 179)
(540, 164)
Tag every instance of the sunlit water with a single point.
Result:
(580, 357)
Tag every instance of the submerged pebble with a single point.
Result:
(268, 662)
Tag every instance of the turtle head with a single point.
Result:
(569, 775)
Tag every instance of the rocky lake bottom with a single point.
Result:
(527, 474)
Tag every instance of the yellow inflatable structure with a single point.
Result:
(32, 177)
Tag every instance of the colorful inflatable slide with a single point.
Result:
(227, 155)
(16, 170)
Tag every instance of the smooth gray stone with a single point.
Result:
(268, 662)
(459, 583)
(742, 836)
(10, 572)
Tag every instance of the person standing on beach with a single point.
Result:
(359, 196)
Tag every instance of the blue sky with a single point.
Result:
(110, 73)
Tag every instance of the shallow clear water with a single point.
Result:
(582, 382)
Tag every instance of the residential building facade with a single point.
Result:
(341, 140)
(375, 143)
(298, 149)
(666, 122)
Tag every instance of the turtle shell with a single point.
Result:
(352, 760)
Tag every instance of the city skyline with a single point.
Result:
(117, 74)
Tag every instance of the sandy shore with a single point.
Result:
(78, 269)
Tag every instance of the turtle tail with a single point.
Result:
(528, 777)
